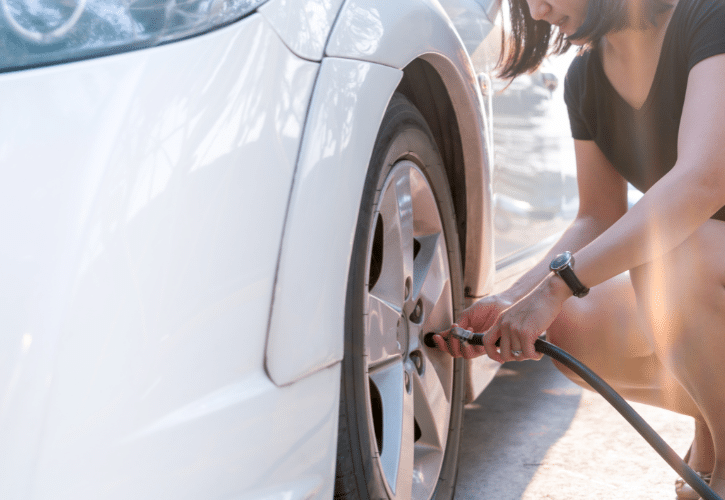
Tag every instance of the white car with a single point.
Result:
(226, 227)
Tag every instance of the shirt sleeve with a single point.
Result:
(573, 97)
(707, 33)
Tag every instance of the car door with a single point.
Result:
(534, 180)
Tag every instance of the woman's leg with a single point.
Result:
(605, 331)
(682, 301)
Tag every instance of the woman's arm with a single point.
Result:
(602, 201)
(666, 215)
(683, 199)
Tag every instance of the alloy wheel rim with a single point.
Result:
(408, 295)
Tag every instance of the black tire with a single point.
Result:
(404, 149)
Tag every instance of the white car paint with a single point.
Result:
(173, 310)
(308, 312)
(135, 305)
(303, 25)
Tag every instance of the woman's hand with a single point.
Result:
(521, 324)
(477, 318)
(517, 325)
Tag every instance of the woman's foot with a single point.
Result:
(700, 457)
(685, 492)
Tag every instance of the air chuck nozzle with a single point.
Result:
(428, 340)
(458, 332)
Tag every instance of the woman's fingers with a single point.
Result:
(489, 343)
(480, 316)
(447, 342)
(513, 345)
(517, 350)
(530, 351)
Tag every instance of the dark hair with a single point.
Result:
(530, 41)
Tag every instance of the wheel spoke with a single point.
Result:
(431, 270)
(397, 426)
(382, 338)
(432, 414)
(432, 284)
(407, 448)
(432, 402)
(396, 212)
(405, 212)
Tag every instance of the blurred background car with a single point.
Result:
(227, 226)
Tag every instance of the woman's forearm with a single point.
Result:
(665, 216)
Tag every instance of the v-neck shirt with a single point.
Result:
(641, 143)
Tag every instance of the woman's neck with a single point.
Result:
(630, 44)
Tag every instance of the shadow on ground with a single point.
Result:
(511, 426)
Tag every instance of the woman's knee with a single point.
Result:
(578, 329)
(562, 332)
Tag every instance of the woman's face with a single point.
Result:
(568, 15)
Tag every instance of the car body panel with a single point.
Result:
(490, 7)
(473, 22)
(137, 273)
(177, 225)
(307, 319)
(536, 195)
(303, 25)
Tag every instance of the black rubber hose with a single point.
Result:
(619, 404)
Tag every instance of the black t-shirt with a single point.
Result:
(641, 143)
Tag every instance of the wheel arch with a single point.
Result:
(424, 83)
(466, 162)
(403, 35)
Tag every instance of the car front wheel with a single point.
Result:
(401, 402)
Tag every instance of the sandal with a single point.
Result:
(684, 491)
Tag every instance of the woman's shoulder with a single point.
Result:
(700, 30)
(579, 72)
(697, 12)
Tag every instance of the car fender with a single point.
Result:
(308, 310)
(303, 25)
(396, 33)
(369, 46)
(143, 200)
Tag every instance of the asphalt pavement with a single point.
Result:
(533, 435)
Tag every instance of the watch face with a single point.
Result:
(560, 260)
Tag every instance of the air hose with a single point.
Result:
(617, 401)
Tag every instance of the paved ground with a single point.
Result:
(534, 435)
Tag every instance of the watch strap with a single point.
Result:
(577, 288)
(563, 266)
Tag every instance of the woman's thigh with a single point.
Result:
(681, 298)
(604, 330)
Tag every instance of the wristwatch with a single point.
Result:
(563, 266)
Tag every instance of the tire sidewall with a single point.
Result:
(404, 135)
